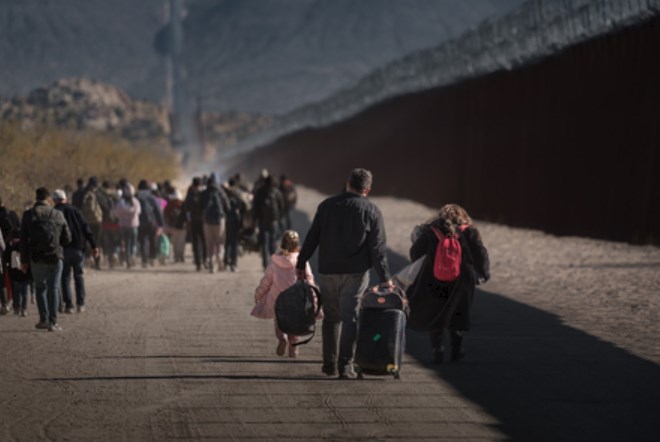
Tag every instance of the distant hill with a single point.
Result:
(268, 56)
(83, 104)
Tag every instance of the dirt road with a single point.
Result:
(564, 346)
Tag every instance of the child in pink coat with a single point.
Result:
(280, 275)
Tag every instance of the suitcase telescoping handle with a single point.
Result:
(316, 313)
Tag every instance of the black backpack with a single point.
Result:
(235, 207)
(44, 238)
(213, 211)
(147, 214)
(269, 207)
(295, 312)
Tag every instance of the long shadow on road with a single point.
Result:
(542, 379)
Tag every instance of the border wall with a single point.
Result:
(569, 144)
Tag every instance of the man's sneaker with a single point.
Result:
(42, 325)
(68, 310)
(54, 327)
(329, 370)
(281, 347)
(81, 308)
(23, 313)
(347, 372)
(4, 310)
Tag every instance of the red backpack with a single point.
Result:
(448, 256)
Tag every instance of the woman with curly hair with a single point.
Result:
(440, 300)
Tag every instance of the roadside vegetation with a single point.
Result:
(55, 158)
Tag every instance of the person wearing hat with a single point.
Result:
(74, 252)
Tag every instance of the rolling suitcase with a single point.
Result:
(381, 327)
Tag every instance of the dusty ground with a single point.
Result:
(564, 346)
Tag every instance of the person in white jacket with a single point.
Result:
(280, 275)
(128, 210)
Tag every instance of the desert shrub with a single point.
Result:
(55, 158)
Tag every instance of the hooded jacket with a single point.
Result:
(127, 214)
(280, 275)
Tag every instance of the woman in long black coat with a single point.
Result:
(439, 305)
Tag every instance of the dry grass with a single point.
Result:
(53, 157)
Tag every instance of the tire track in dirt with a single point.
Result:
(370, 402)
(327, 403)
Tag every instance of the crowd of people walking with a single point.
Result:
(108, 226)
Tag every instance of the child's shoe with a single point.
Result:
(281, 347)
(293, 351)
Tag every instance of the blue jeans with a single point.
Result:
(47, 281)
(20, 289)
(340, 295)
(129, 237)
(267, 239)
(74, 259)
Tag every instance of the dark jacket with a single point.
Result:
(107, 201)
(261, 217)
(437, 305)
(80, 231)
(15, 273)
(151, 214)
(8, 221)
(42, 209)
(193, 207)
(77, 197)
(174, 214)
(348, 230)
(213, 191)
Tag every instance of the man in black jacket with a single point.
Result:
(194, 215)
(151, 223)
(74, 252)
(268, 208)
(43, 233)
(348, 230)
